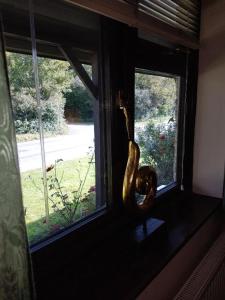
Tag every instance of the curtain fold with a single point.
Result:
(15, 265)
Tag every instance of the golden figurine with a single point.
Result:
(141, 180)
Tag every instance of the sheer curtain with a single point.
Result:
(15, 268)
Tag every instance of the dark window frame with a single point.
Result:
(179, 130)
(120, 52)
(110, 70)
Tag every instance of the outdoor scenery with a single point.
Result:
(156, 102)
(65, 191)
(58, 182)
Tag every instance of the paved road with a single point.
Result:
(67, 147)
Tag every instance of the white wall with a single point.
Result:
(209, 147)
(169, 281)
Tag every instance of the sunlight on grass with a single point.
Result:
(70, 173)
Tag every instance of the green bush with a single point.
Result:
(154, 96)
(25, 112)
(62, 93)
(55, 79)
(79, 104)
(157, 145)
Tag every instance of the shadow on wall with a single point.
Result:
(212, 33)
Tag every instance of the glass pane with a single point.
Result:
(56, 131)
(25, 112)
(24, 105)
(156, 107)
(68, 122)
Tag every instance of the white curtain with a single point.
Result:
(15, 268)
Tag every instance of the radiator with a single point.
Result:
(207, 282)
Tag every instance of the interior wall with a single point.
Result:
(209, 147)
(179, 268)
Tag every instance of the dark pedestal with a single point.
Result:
(149, 229)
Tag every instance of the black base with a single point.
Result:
(148, 230)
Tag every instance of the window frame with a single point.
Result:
(16, 43)
(174, 60)
(110, 62)
(120, 52)
(179, 128)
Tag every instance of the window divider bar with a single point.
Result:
(79, 69)
(38, 98)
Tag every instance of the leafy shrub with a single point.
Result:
(79, 104)
(55, 79)
(65, 202)
(157, 145)
(60, 89)
(25, 112)
(154, 96)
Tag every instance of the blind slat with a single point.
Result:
(183, 14)
(176, 10)
(181, 9)
(167, 14)
(186, 5)
(149, 11)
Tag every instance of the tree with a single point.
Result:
(154, 96)
(79, 104)
(56, 78)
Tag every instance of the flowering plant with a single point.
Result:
(67, 205)
(62, 202)
(157, 144)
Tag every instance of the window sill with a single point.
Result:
(101, 216)
(115, 266)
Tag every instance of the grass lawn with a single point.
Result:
(69, 173)
(26, 137)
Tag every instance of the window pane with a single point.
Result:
(156, 107)
(28, 144)
(68, 123)
(69, 143)
(55, 132)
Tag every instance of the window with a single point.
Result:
(67, 121)
(72, 144)
(55, 115)
(90, 61)
(156, 121)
